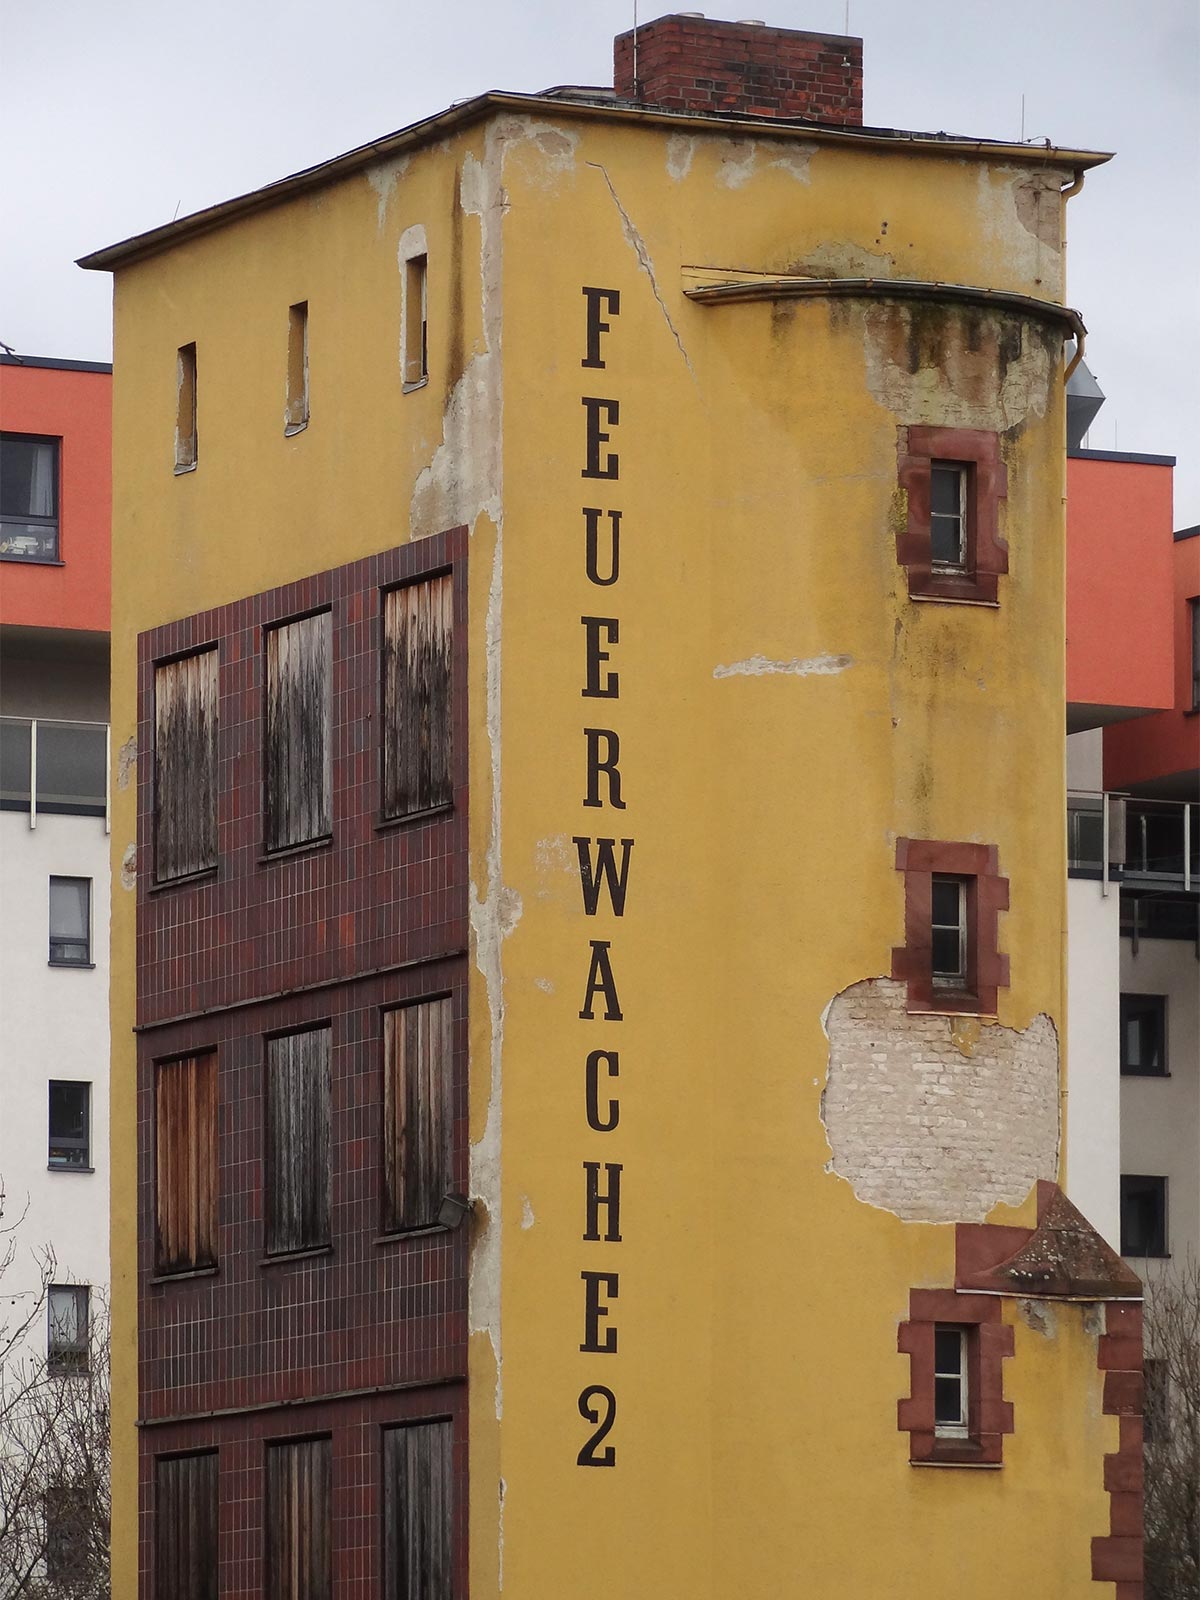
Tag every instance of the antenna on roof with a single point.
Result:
(1022, 119)
(846, 24)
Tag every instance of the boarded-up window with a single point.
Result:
(418, 634)
(417, 1512)
(299, 770)
(298, 1067)
(416, 1113)
(185, 1528)
(299, 1517)
(185, 1153)
(185, 765)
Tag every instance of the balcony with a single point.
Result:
(50, 767)
(1145, 844)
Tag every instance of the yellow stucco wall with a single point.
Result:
(756, 1373)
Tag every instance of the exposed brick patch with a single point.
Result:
(696, 64)
(932, 1124)
(987, 969)
(1118, 1557)
(992, 1342)
(987, 553)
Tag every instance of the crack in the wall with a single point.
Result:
(638, 245)
(822, 666)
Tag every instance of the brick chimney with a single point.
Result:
(687, 63)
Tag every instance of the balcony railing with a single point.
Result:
(1151, 843)
(54, 767)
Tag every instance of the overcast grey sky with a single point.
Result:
(115, 116)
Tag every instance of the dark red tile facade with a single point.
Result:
(372, 1330)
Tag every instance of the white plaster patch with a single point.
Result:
(126, 762)
(795, 161)
(737, 164)
(762, 667)
(527, 1217)
(129, 867)
(680, 151)
(383, 177)
(930, 1130)
(544, 984)
(554, 858)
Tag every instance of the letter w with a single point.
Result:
(605, 871)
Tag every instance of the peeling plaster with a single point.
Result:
(554, 858)
(129, 867)
(762, 667)
(383, 177)
(1039, 1315)
(638, 245)
(737, 164)
(922, 1129)
(680, 151)
(126, 762)
(544, 985)
(795, 162)
(527, 1217)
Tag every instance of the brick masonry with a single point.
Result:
(937, 1118)
(694, 64)
(373, 1329)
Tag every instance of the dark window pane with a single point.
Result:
(69, 1106)
(15, 767)
(947, 1350)
(28, 477)
(1143, 1216)
(1144, 1034)
(945, 537)
(947, 1400)
(947, 952)
(945, 484)
(71, 766)
(947, 902)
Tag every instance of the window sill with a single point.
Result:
(184, 1276)
(291, 429)
(385, 824)
(1138, 1072)
(182, 467)
(955, 600)
(399, 1235)
(79, 966)
(33, 561)
(971, 1466)
(63, 1166)
(1155, 1255)
(953, 1005)
(185, 880)
(418, 383)
(282, 1257)
(287, 851)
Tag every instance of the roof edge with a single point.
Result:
(56, 363)
(127, 251)
(1121, 455)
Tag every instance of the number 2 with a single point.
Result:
(605, 1415)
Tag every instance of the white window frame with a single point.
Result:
(961, 473)
(88, 961)
(962, 1375)
(958, 979)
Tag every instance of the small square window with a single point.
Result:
(70, 922)
(951, 1382)
(28, 497)
(70, 1124)
(1144, 1035)
(1143, 1215)
(954, 482)
(68, 1329)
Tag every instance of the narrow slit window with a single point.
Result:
(951, 1383)
(186, 447)
(416, 323)
(296, 414)
(948, 516)
(949, 931)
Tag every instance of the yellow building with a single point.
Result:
(588, 685)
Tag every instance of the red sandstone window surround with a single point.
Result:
(951, 967)
(988, 1340)
(954, 480)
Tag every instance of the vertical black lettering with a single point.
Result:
(612, 300)
(610, 1200)
(604, 873)
(597, 1341)
(612, 1115)
(608, 688)
(601, 981)
(610, 466)
(608, 766)
(591, 516)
